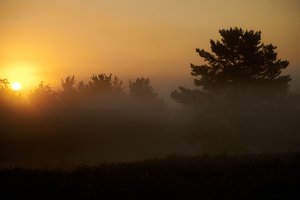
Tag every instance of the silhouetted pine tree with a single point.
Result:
(243, 100)
(239, 63)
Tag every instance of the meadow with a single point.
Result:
(222, 176)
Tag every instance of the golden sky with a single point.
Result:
(50, 39)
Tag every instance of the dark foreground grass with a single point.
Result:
(175, 177)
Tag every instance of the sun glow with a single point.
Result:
(16, 86)
(21, 75)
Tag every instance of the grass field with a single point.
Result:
(175, 177)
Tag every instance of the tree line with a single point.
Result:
(241, 103)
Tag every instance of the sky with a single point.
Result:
(51, 39)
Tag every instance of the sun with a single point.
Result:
(16, 86)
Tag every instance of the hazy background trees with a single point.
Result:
(86, 122)
(241, 103)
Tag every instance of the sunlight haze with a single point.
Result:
(50, 39)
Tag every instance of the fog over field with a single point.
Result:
(85, 82)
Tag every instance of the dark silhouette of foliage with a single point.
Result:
(68, 84)
(143, 95)
(104, 84)
(43, 90)
(242, 102)
(81, 86)
(83, 121)
(43, 95)
(240, 63)
(7, 95)
(141, 88)
(101, 82)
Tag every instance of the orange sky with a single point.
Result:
(50, 39)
